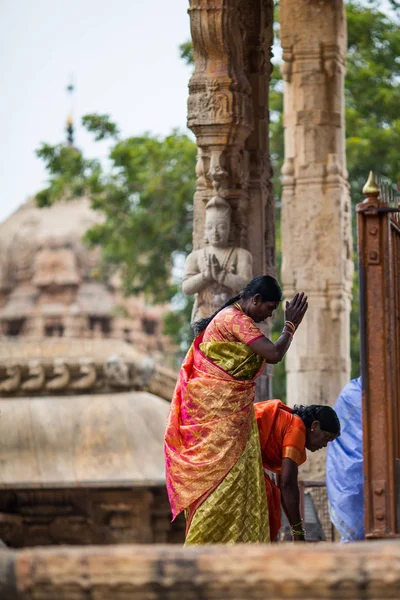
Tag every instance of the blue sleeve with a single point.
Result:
(344, 466)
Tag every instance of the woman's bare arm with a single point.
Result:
(273, 352)
(290, 494)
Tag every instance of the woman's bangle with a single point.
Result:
(288, 332)
(291, 325)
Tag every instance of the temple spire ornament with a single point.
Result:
(371, 187)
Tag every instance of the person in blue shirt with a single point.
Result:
(344, 466)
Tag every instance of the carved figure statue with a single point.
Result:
(217, 271)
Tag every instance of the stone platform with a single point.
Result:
(369, 570)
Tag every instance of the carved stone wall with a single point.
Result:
(48, 366)
(316, 217)
(30, 517)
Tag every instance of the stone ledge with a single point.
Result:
(359, 571)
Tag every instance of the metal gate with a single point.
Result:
(378, 221)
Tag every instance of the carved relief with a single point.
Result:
(117, 372)
(36, 377)
(217, 171)
(12, 379)
(61, 376)
(88, 515)
(202, 170)
(214, 103)
(55, 266)
(87, 375)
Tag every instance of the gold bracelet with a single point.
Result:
(291, 325)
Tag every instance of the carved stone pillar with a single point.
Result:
(229, 101)
(316, 229)
(228, 113)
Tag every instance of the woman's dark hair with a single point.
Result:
(326, 416)
(265, 285)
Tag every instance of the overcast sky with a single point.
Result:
(124, 59)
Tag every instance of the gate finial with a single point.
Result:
(371, 187)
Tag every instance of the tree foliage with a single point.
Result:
(71, 175)
(372, 95)
(146, 197)
(186, 52)
(101, 126)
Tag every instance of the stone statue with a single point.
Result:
(217, 271)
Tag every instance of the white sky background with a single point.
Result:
(124, 59)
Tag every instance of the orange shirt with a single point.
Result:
(282, 434)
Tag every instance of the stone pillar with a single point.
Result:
(228, 113)
(316, 217)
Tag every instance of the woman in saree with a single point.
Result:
(285, 434)
(213, 459)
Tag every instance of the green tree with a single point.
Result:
(372, 94)
(372, 98)
(146, 197)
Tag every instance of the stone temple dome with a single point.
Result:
(51, 284)
(83, 394)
